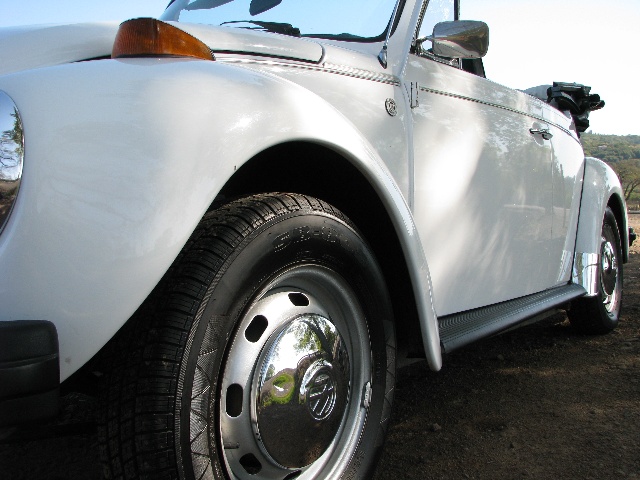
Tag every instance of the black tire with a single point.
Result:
(210, 382)
(600, 314)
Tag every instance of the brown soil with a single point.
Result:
(540, 402)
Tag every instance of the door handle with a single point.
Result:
(543, 132)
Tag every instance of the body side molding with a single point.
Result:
(461, 329)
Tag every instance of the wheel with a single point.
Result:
(600, 314)
(267, 352)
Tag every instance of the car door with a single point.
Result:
(482, 182)
(567, 174)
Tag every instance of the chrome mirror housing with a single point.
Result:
(459, 39)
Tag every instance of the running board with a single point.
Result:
(467, 327)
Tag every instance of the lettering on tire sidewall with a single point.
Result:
(304, 233)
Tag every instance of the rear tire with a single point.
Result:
(267, 352)
(600, 314)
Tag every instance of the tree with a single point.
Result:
(629, 173)
(11, 149)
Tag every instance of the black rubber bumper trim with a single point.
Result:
(29, 371)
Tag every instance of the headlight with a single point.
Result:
(11, 155)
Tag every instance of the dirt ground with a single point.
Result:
(537, 403)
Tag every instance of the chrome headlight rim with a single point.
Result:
(11, 156)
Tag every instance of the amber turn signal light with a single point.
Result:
(143, 37)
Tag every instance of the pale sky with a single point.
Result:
(537, 42)
(583, 41)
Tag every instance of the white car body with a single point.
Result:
(123, 157)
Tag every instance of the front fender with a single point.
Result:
(601, 188)
(123, 158)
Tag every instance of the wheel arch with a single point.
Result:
(320, 171)
(601, 189)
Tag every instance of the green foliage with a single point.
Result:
(622, 153)
(611, 148)
(629, 174)
(281, 390)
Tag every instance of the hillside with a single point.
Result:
(611, 148)
(623, 154)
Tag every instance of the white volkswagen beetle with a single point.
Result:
(240, 209)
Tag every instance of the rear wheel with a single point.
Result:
(600, 314)
(269, 353)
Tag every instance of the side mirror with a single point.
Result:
(459, 39)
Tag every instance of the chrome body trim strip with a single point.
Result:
(326, 68)
(585, 272)
(496, 105)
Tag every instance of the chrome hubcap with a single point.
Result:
(303, 388)
(290, 392)
(608, 274)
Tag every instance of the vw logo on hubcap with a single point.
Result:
(322, 395)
